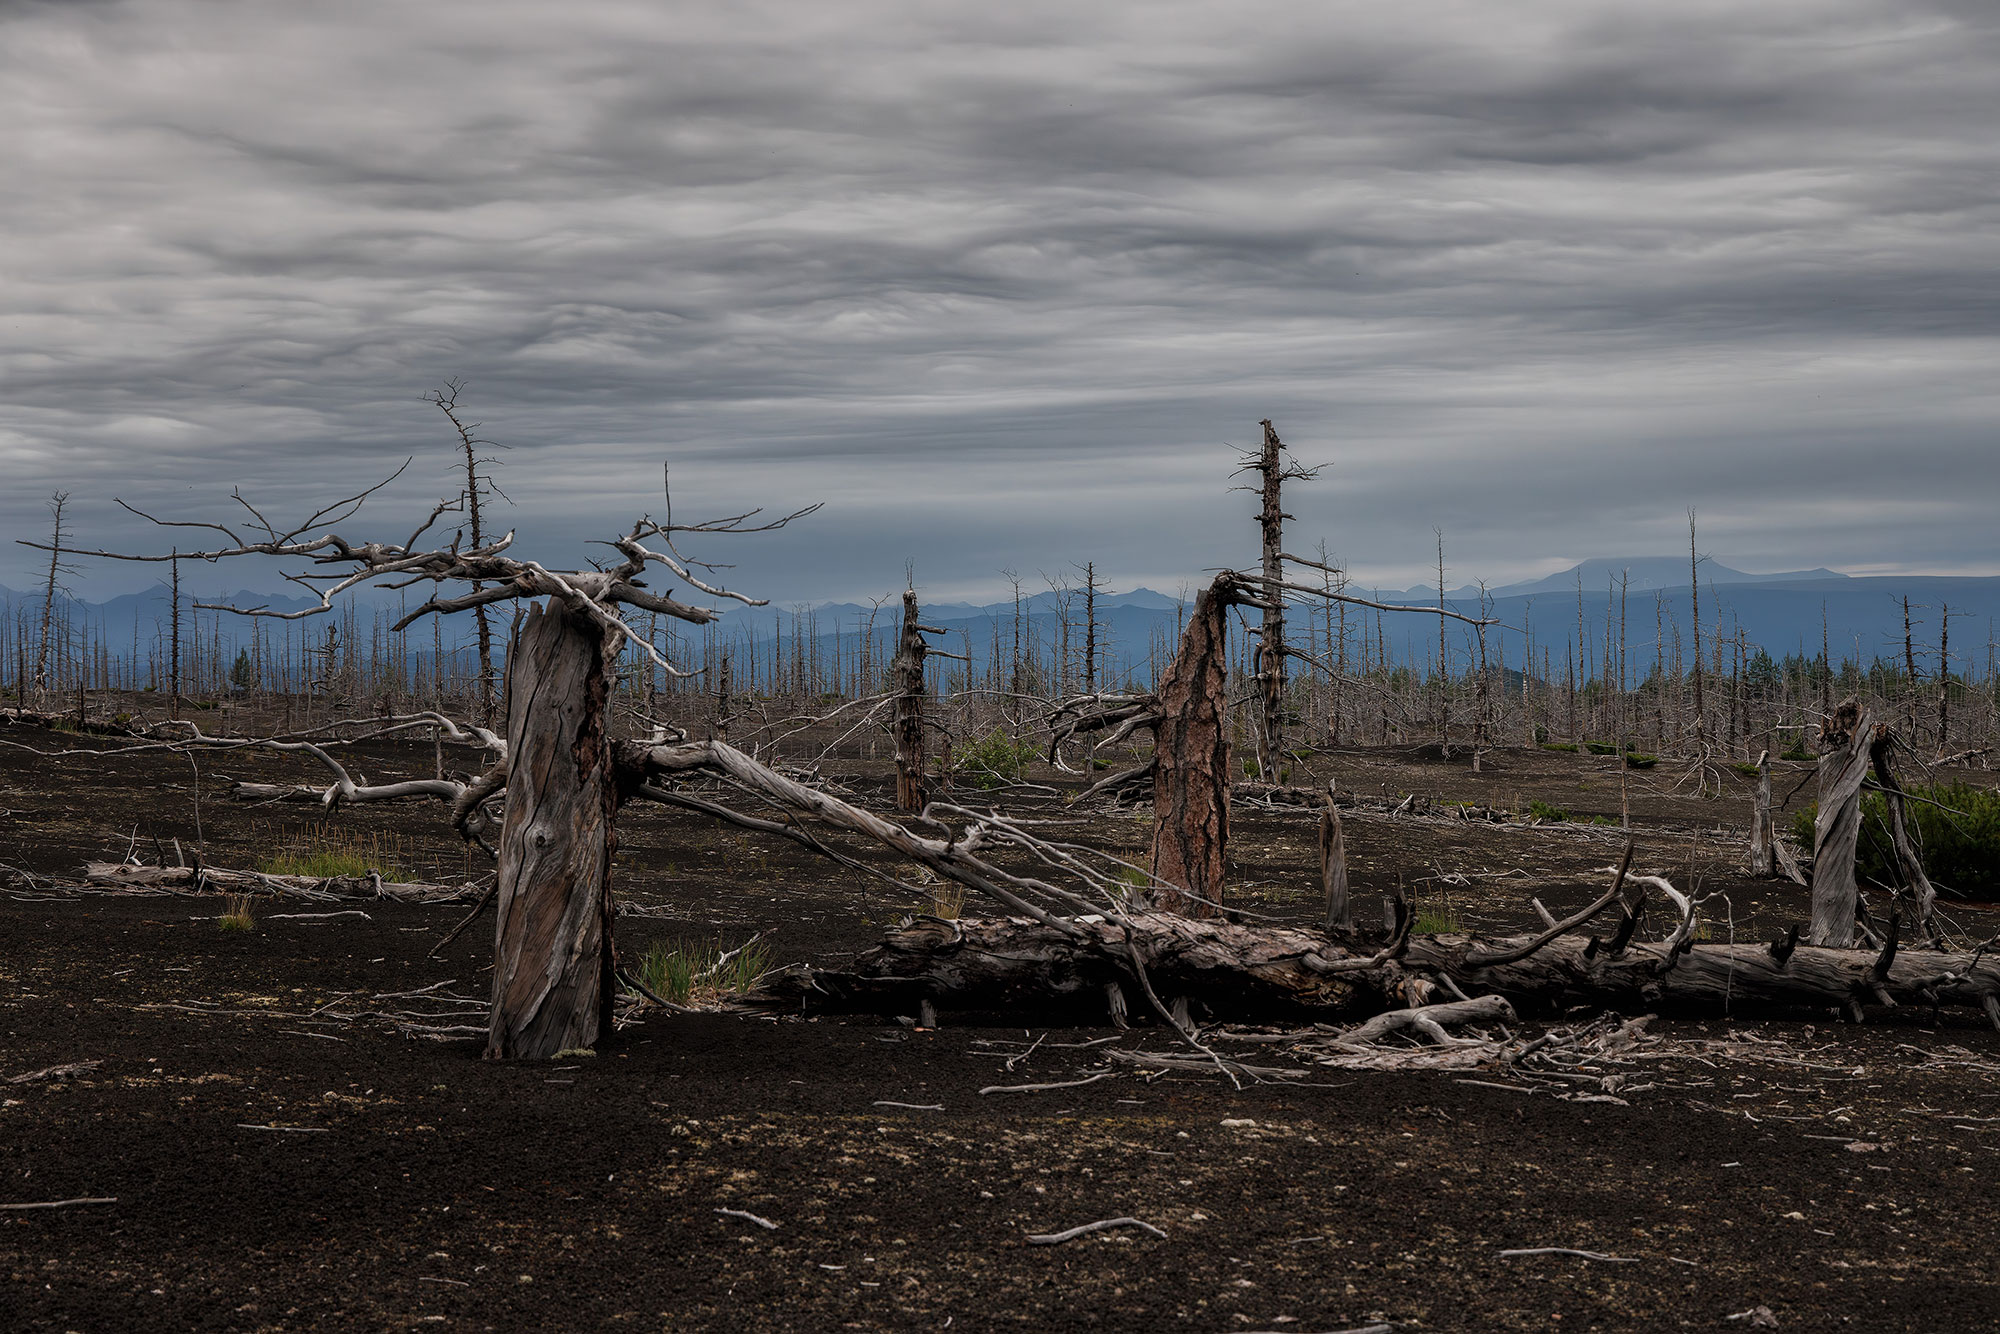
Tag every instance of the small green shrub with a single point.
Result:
(1745, 768)
(1635, 760)
(1541, 810)
(1563, 746)
(1600, 747)
(1959, 847)
(1798, 752)
(992, 761)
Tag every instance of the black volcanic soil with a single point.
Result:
(273, 1168)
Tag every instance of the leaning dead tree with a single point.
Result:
(1190, 775)
(553, 952)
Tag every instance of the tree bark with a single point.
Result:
(1191, 779)
(1271, 638)
(911, 786)
(552, 959)
(1843, 764)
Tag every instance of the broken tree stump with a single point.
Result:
(552, 968)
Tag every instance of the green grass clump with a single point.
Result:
(1635, 760)
(1541, 810)
(322, 851)
(693, 973)
(1745, 768)
(1562, 746)
(1600, 747)
(1798, 752)
(1959, 846)
(237, 916)
(992, 761)
(1438, 921)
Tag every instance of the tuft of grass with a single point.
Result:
(1541, 810)
(699, 972)
(1438, 920)
(1563, 746)
(322, 851)
(1637, 760)
(236, 917)
(1600, 747)
(948, 901)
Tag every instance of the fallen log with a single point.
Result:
(1014, 963)
(215, 879)
(1264, 973)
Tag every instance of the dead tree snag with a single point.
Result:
(912, 787)
(1191, 761)
(552, 967)
(1845, 744)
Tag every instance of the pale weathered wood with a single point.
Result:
(552, 972)
(1845, 740)
(1333, 871)
(1763, 831)
(1254, 973)
(1916, 885)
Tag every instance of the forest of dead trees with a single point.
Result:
(1636, 690)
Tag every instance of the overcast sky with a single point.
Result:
(1005, 285)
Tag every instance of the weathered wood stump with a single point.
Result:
(552, 969)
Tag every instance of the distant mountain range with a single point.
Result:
(1860, 617)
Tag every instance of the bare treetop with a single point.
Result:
(594, 593)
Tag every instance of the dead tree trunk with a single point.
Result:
(552, 963)
(1274, 973)
(1191, 778)
(1763, 829)
(1270, 657)
(1333, 871)
(1843, 765)
(911, 786)
(1916, 885)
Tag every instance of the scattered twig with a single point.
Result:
(1043, 1088)
(1564, 1250)
(748, 1217)
(1101, 1225)
(64, 1204)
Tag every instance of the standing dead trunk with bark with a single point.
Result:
(1270, 657)
(1191, 776)
(552, 965)
(1845, 742)
(912, 788)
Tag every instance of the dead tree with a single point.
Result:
(1916, 888)
(1845, 745)
(912, 785)
(1191, 773)
(476, 489)
(1270, 465)
(1763, 828)
(58, 503)
(552, 942)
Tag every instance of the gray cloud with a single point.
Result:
(1000, 287)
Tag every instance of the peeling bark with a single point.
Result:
(1191, 777)
(552, 965)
